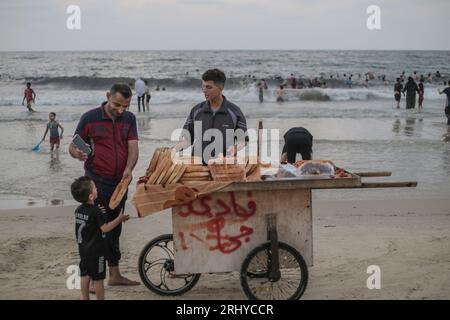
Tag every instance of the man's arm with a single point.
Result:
(183, 144)
(133, 155)
(83, 131)
(242, 125)
(187, 136)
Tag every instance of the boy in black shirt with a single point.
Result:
(90, 226)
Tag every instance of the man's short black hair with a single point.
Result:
(54, 114)
(81, 188)
(216, 75)
(121, 88)
(28, 83)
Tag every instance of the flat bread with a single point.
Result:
(179, 174)
(168, 174)
(194, 168)
(174, 173)
(166, 166)
(196, 174)
(153, 162)
(119, 193)
(159, 168)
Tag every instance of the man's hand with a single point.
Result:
(127, 174)
(77, 153)
(232, 150)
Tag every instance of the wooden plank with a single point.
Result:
(374, 174)
(403, 184)
(218, 231)
(293, 183)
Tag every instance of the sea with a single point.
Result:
(358, 127)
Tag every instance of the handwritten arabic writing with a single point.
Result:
(220, 212)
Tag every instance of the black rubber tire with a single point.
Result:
(266, 247)
(146, 280)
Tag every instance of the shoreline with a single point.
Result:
(408, 239)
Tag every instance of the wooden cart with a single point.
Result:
(262, 229)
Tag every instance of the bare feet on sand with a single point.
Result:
(121, 281)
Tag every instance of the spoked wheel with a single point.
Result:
(256, 279)
(156, 268)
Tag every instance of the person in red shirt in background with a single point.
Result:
(30, 95)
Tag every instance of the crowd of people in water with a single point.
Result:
(412, 87)
(408, 86)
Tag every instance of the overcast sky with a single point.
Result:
(27, 25)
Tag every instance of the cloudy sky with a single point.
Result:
(224, 24)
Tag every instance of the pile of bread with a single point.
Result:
(167, 167)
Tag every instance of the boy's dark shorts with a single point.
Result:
(94, 267)
(397, 96)
(54, 140)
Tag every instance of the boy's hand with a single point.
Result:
(122, 217)
(61, 137)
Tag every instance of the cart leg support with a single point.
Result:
(272, 235)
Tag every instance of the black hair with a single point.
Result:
(449, 82)
(53, 113)
(281, 87)
(145, 81)
(121, 88)
(398, 79)
(216, 75)
(81, 188)
(28, 83)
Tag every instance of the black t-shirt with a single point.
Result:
(90, 238)
(398, 87)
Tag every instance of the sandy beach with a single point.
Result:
(407, 239)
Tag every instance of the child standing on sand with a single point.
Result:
(53, 126)
(90, 226)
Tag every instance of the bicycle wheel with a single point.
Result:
(156, 268)
(255, 274)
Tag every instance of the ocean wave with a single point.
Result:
(94, 82)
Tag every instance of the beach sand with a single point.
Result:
(408, 239)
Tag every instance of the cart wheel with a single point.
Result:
(255, 274)
(156, 268)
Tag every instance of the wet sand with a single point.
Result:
(408, 239)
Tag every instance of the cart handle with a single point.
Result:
(374, 174)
